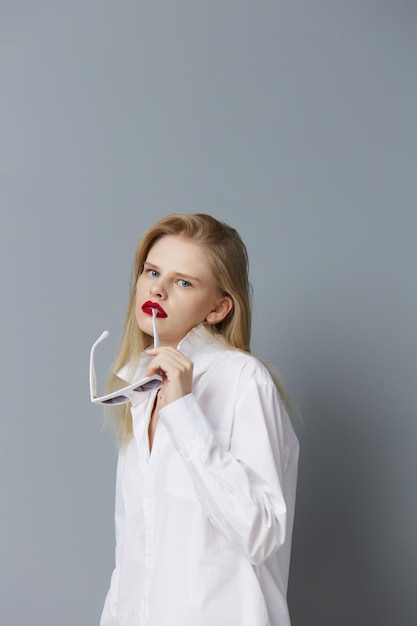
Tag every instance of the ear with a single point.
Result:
(220, 310)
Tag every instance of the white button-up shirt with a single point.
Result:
(204, 521)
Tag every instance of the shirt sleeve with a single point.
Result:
(243, 490)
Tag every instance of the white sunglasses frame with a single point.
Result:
(124, 395)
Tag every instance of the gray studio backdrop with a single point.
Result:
(296, 123)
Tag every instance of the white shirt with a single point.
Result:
(204, 521)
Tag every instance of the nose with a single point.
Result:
(158, 288)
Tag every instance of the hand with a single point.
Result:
(176, 371)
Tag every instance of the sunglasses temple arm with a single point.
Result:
(93, 380)
(155, 330)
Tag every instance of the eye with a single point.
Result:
(152, 273)
(184, 283)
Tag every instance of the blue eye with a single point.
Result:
(184, 283)
(153, 273)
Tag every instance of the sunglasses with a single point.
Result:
(124, 395)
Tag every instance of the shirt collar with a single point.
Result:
(197, 340)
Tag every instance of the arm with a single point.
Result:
(243, 489)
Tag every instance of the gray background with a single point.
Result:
(295, 121)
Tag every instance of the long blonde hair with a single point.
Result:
(228, 258)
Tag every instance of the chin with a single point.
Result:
(143, 325)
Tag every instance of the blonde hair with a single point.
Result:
(228, 258)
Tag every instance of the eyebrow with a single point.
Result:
(178, 274)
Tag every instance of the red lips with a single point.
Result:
(148, 306)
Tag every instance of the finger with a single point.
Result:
(169, 357)
(168, 351)
(171, 367)
(176, 370)
(173, 364)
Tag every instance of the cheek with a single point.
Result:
(138, 298)
(139, 287)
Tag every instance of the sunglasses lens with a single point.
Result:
(117, 400)
(151, 384)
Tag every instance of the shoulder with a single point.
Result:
(211, 353)
(244, 366)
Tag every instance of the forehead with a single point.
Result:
(178, 253)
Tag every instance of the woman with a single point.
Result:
(207, 466)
